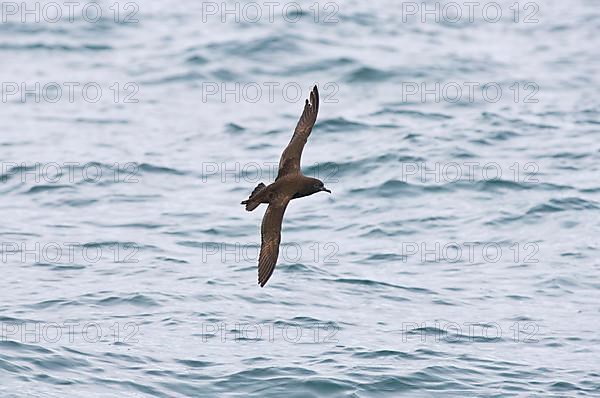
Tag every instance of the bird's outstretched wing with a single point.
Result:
(290, 158)
(271, 236)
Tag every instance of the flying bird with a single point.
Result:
(289, 184)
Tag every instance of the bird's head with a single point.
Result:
(318, 186)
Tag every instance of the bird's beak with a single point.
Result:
(326, 190)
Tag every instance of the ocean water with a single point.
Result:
(456, 257)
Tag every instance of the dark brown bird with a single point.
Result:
(289, 184)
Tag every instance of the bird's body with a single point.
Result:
(290, 184)
(294, 185)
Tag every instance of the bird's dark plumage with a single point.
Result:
(290, 158)
(270, 239)
(289, 184)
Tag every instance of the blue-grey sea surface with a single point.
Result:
(456, 257)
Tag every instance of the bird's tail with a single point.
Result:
(252, 203)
